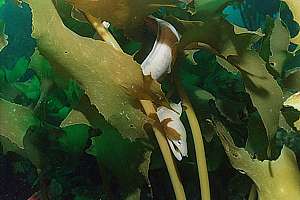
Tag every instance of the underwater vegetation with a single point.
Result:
(149, 99)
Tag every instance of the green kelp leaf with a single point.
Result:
(294, 102)
(226, 88)
(30, 88)
(208, 7)
(96, 65)
(267, 175)
(3, 37)
(265, 93)
(294, 6)
(53, 104)
(17, 71)
(86, 113)
(257, 141)
(115, 153)
(7, 91)
(75, 138)
(45, 75)
(64, 146)
(265, 51)
(211, 87)
(7, 145)
(128, 45)
(55, 147)
(123, 159)
(73, 93)
(279, 43)
(124, 14)
(190, 77)
(65, 11)
(41, 66)
(75, 117)
(15, 120)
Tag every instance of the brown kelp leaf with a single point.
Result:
(14, 121)
(65, 11)
(279, 43)
(125, 14)
(227, 65)
(264, 91)
(152, 91)
(294, 6)
(234, 45)
(101, 70)
(216, 35)
(267, 175)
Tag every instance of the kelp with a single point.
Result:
(15, 122)
(279, 43)
(20, 130)
(11, 87)
(65, 9)
(267, 175)
(294, 102)
(124, 14)
(291, 79)
(238, 76)
(3, 37)
(109, 79)
(295, 8)
(234, 46)
(97, 67)
(262, 87)
(129, 163)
